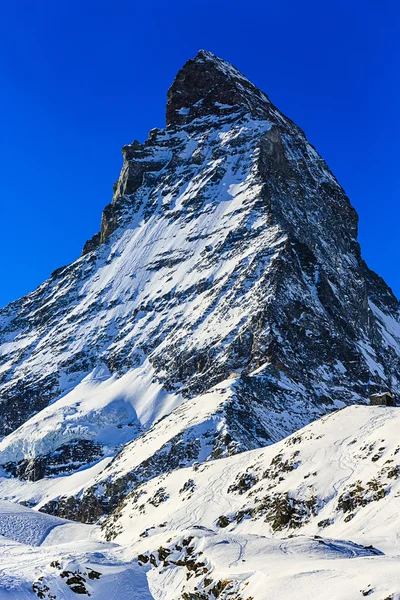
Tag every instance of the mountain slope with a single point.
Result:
(223, 305)
(314, 515)
(281, 521)
(338, 477)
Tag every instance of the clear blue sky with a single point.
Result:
(81, 78)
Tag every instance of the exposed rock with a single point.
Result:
(65, 459)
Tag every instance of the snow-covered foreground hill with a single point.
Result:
(338, 476)
(313, 516)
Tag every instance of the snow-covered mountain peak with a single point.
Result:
(208, 85)
(223, 305)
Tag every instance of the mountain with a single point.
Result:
(223, 305)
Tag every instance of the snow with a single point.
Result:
(345, 559)
(370, 358)
(102, 408)
(389, 326)
(38, 493)
(36, 548)
(291, 568)
(23, 525)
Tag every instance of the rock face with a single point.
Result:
(223, 304)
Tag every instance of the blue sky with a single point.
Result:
(80, 79)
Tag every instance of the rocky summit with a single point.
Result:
(223, 305)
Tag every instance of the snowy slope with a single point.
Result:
(45, 557)
(223, 305)
(314, 514)
(339, 476)
(244, 567)
(278, 521)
